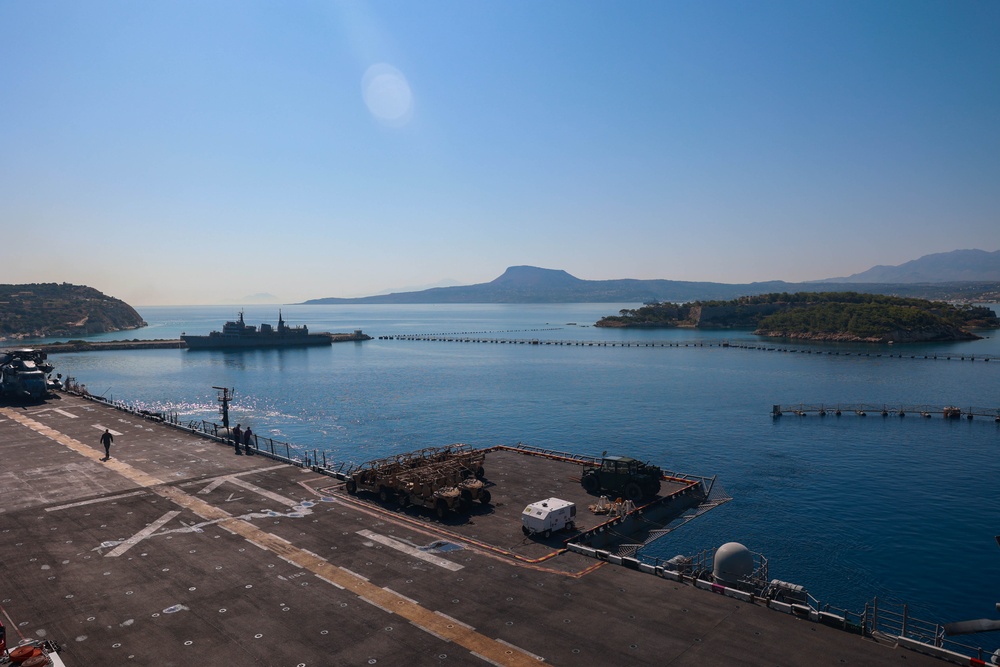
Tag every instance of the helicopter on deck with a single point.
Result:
(24, 375)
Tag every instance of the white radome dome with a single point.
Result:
(732, 562)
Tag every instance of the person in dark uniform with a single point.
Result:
(247, 434)
(106, 440)
(238, 439)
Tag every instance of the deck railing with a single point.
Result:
(894, 620)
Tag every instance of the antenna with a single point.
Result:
(225, 396)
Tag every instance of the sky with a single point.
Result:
(193, 152)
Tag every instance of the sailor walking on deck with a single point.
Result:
(106, 440)
(247, 434)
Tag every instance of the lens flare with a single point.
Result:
(387, 94)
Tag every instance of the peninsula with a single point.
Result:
(833, 316)
(38, 310)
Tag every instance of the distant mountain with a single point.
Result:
(259, 297)
(447, 282)
(530, 284)
(942, 267)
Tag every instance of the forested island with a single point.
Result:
(833, 316)
(60, 309)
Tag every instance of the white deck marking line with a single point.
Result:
(291, 561)
(375, 604)
(331, 582)
(411, 551)
(485, 659)
(517, 648)
(219, 481)
(430, 632)
(59, 410)
(141, 535)
(263, 492)
(101, 427)
(95, 500)
(216, 483)
(280, 466)
(354, 574)
(453, 620)
(398, 594)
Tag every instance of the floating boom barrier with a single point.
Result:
(720, 344)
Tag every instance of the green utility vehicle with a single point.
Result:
(630, 478)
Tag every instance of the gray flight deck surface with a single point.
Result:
(178, 552)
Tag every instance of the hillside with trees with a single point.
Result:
(842, 316)
(60, 309)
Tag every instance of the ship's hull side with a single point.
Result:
(254, 342)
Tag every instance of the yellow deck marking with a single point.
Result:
(492, 650)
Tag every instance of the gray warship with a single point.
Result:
(240, 335)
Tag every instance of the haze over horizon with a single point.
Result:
(191, 153)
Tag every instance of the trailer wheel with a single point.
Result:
(480, 472)
(441, 509)
(352, 487)
(547, 534)
(590, 482)
(404, 500)
(385, 494)
(524, 529)
(467, 495)
(485, 497)
(633, 492)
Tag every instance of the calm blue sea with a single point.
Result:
(905, 509)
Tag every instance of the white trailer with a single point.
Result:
(547, 516)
